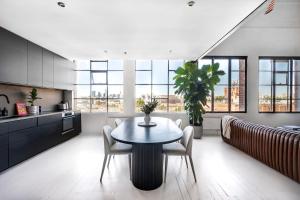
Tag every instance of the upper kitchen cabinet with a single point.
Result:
(35, 65)
(13, 58)
(48, 64)
(64, 73)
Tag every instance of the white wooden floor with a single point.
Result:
(71, 171)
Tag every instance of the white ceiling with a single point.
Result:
(84, 29)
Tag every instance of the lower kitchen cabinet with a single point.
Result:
(77, 123)
(3, 152)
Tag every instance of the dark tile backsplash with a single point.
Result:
(50, 97)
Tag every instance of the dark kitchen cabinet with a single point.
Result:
(35, 65)
(48, 64)
(77, 123)
(3, 146)
(13, 58)
(22, 145)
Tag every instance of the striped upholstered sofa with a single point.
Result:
(276, 147)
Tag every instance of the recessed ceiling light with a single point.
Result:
(170, 51)
(61, 4)
(105, 51)
(191, 3)
(125, 52)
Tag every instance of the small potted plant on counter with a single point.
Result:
(32, 97)
(148, 108)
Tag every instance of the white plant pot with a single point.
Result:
(32, 109)
(198, 132)
(147, 119)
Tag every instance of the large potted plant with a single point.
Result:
(195, 84)
(32, 97)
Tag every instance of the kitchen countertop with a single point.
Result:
(15, 117)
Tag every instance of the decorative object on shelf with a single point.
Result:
(32, 97)
(148, 108)
(194, 85)
(21, 109)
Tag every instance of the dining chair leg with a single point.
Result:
(108, 161)
(166, 166)
(186, 162)
(192, 165)
(103, 167)
(129, 159)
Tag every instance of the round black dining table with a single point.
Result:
(147, 156)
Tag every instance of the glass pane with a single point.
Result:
(281, 65)
(221, 98)
(115, 91)
(82, 91)
(98, 78)
(82, 77)
(99, 91)
(296, 92)
(208, 106)
(296, 105)
(162, 105)
(171, 76)
(115, 105)
(281, 78)
(160, 72)
(99, 105)
(159, 91)
(223, 66)
(143, 77)
(83, 64)
(238, 98)
(202, 62)
(174, 64)
(143, 65)
(265, 78)
(296, 65)
(238, 78)
(265, 65)
(99, 65)
(281, 105)
(115, 65)
(265, 105)
(115, 77)
(265, 93)
(296, 78)
(143, 91)
(281, 92)
(175, 101)
(82, 104)
(238, 64)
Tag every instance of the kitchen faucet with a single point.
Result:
(4, 112)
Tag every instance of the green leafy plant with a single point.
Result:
(149, 107)
(33, 96)
(194, 85)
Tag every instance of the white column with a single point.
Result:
(129, 87)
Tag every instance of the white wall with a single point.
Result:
(276, 34)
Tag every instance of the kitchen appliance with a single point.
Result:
(63, 106)
(67, 118)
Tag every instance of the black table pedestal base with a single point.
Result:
(147, 166)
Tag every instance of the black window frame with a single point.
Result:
(290, 84)
(165, 84)
(229, 82)
(107, 98)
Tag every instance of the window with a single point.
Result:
(154, 79)
(279, 83)
(229, 94)
(99, 86)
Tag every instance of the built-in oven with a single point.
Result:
(68, 125)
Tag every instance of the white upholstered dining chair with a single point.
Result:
(183, 148)
(117, 122)
(111, 147)
(178, 122)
